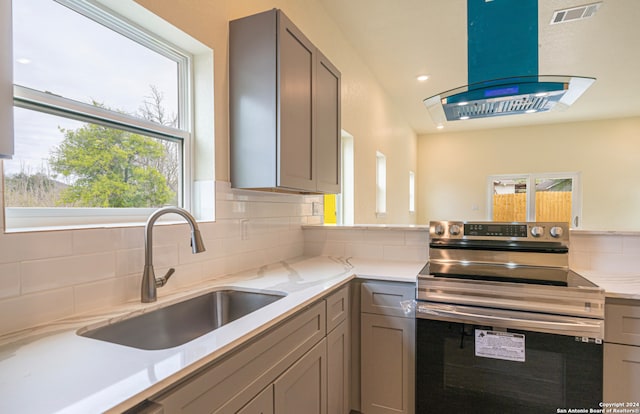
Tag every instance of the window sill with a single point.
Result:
(30, 219)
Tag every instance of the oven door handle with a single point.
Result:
(561, 325)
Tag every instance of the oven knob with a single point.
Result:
(454, 230)
(537, 231)
(556, 232)
(438, 229)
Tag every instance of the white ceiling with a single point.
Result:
(401, 39)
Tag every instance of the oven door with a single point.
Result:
(469, 364)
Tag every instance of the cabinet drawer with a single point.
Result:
(383, 298)
(337, 308)
(622, 324)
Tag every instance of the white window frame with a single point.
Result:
(345, 200)
(203, 192)
(412, 192)
(381, 184)
(576, 192)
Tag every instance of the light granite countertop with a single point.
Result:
(52, 369)
(616, 285)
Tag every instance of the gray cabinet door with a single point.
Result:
(260, 404)
(387, 360)
(303, 387)
(296, 75)
(621, 374)
(338, 369)
(327, 121)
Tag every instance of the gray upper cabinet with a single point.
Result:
(284, 104)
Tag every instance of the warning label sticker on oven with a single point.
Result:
(500, 345)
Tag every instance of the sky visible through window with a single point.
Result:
(59, 51)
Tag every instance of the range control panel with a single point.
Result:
(490, 230)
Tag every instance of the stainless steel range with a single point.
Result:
(503, 324)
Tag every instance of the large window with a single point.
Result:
(102, 117)
(536, 197)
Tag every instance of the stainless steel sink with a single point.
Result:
(183, 321)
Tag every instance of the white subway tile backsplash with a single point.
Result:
(364, 250)
(410, 253)
(384, 237)
(49, 275)
(315, 235)
(605, 252)
(312, 248)
(104, 293)
(129, 261)
(41, 275)
(615, 263)
(15, 247)
(417, 238)
(631, 245)
(94, 240)
(34, 309)
(9, 280)
(596, 243)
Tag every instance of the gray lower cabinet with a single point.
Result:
(303, 387)
(293, 368)
(260, 404)
(622, 353)
(338, 352)
(387, 349)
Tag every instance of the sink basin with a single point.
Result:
(183, 321)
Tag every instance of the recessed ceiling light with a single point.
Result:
(422, 78)
(440, 126)
(24, 61)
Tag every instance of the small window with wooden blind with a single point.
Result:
(536, 197)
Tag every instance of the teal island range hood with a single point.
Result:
(502, 67)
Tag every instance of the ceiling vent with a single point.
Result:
(575, 13)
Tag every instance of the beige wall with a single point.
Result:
(367, 113)
(453, 168)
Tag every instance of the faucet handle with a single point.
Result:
(163, 280)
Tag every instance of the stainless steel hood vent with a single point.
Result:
(508, 96)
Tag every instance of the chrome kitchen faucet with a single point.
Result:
(149, 281)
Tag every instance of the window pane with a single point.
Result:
(381, 183)
(553, 199)
(65, 53)
(65, 163)
(510, 200)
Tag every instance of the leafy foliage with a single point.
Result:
(33, 190)
(111, 168)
